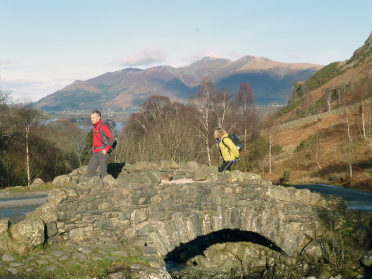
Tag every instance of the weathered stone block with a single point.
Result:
(124, 215)
(232, 247)
(61, 180)
(82, 170)
(251, 176)
(110, 181)
(135, 178)
(91, 218)
(202, 262)
(45, 212)
(95, 183)
(62, 215)
(77, 234)
(31, 229)
(100, 224)
(165, 164)
(121, 203)
(60, 225)
(174, 165)
(51, 229)
(129, 232)
(104, 205)
(139, 216)
(56, 196)
(180, 223)
(199, 175)
(123, 183)
(192, 165)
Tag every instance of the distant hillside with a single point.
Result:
(272, 83)
(347, 82)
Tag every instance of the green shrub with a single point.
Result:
(324, 75)
(305, 143)
(286, 176)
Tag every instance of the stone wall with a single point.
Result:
(136, 208)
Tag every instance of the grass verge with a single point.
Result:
(26, 189)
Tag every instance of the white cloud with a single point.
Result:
(201, 54)
(7, 64)
(32, 89)
(148, 56)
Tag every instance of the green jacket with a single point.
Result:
(228, 149)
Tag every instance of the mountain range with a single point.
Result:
(272, 82)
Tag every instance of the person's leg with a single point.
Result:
(225, 166)
(93, 164)
(103, 161)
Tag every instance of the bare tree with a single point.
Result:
(28, 116)
(67, 136)
(328, 95)
(7, 123)
(348, 148)
(204, 105)
(268, 124)
(360, 95)
(245, 99)
(222, 104)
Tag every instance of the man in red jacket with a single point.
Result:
(101, 149)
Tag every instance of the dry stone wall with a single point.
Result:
(135, 207)
(142, 208)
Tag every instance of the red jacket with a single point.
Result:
(97, 140)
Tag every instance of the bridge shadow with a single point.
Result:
(115, 168)
(186, 251)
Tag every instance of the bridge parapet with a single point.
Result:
(135, 207)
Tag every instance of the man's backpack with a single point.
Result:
(112, 127)
(235, 139)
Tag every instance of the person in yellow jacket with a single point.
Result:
(228, 149)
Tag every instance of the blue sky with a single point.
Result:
(46, 45)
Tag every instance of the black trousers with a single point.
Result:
(225, 166)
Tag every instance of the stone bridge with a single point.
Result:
(140, 206)
(137, 207)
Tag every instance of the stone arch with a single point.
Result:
(188, 250)
(185, 227)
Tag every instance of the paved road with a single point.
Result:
(16, 208)
(355, 199)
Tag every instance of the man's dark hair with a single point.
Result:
(96, 112)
